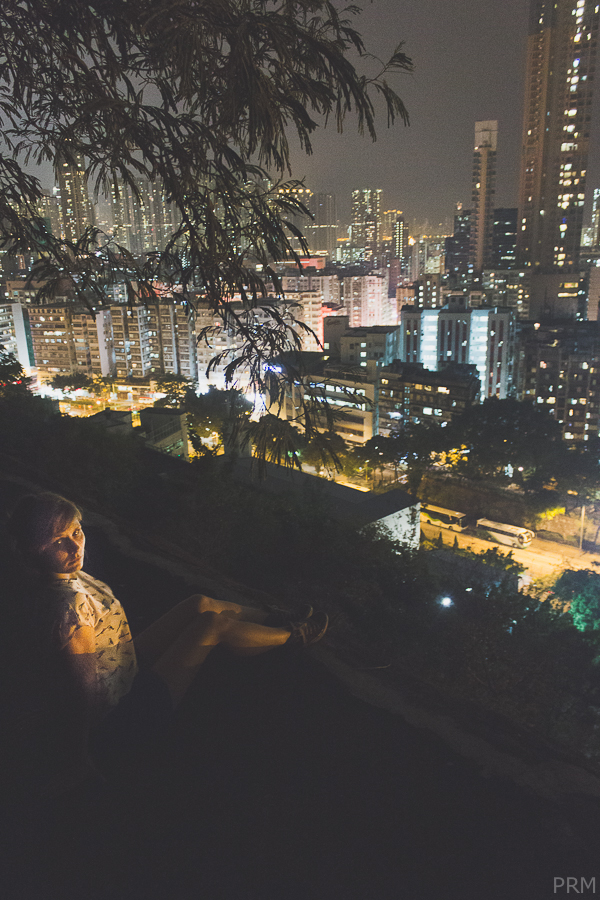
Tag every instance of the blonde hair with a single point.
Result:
(36, 518)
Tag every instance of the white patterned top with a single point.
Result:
(82, 600)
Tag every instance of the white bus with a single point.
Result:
(512, 535)
(444, 518)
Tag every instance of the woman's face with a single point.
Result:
(63, 553)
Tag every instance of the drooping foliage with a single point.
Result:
(202, 98)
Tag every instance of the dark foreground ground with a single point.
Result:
(279, 785)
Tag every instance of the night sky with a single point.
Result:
(469, 58)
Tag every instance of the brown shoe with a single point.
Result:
(309, 631)
(283, 618)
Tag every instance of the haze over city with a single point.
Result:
(469, 62)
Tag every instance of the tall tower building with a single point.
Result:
(76, 211)
(400, 239)
(484, 189)
(143, 219)
(504, 238)
(322, 233)
(366, 220)
(458, 245)
(561, 58)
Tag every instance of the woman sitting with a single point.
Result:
(83, 681)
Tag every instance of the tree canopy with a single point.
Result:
(201, 97)
(502, 433)
(73, 382)
(216, 412)
(581, 589)
(11, 371)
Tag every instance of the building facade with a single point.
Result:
(559, 369)
(322, 233)
(365, 298)
(410, 394)
(458, 247)
(76, 213)
(143, 219)
(366, 225)
(483, 193)
(561, 62)
(352, 395)
(15, 334)
(504, 238)
(359, 346)
(483, 337)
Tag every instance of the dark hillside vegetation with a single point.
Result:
(503, 651)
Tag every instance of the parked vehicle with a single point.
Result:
(512, 535)
(444, 518)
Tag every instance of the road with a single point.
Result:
(541, 559)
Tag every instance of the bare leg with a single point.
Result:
(182, 659)
(158, 637)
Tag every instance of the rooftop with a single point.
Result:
(343, 502)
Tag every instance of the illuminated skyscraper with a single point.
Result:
(322, 232)
(143, 219)
(484, 189)
(561, 59)
(458, 245)
(366, 220)
(76, 212)
(400, 238)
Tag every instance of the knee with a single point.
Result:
(211, 627)
(200, 603)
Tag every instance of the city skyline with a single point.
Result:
(469, 66)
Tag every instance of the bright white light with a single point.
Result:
(446, 601)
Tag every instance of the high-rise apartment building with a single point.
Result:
(559, 370)
(172, 338)
(561, 61)
(366, 221)
(504, 239)
(49, 209)
(52, 339)
(15, 335)
(410, 394)
(507, 287)
(76, 213)
(366, 299)
(457, 246)
(67, 340)
(143, 219)
(307, 307)
(322, 233)
(131, 331)
(428, 291)
(483, 337)
(483, 192)
(400, 241)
